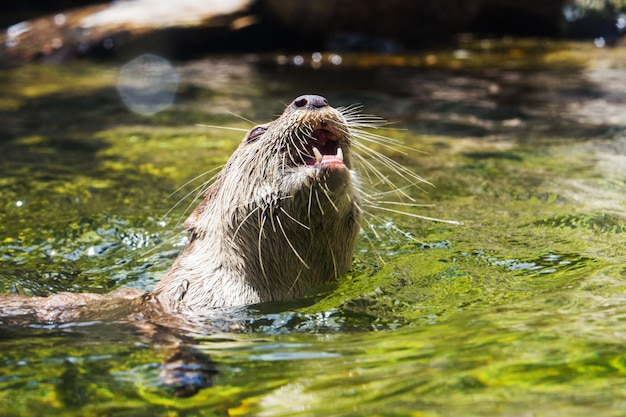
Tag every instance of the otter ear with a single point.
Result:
(255, 133)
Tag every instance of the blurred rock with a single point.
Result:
(186, 28)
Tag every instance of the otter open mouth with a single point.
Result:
(323, 149)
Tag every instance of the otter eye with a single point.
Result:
(255, 133)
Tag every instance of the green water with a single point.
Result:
(518, 311)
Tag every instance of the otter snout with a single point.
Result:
(309, 102)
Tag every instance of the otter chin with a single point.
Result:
(281, 217)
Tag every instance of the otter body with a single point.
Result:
(281, 217)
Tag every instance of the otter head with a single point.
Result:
(308, 144)
(281, 217)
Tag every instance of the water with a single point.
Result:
(519, 311)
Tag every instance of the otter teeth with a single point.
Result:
(319, 157)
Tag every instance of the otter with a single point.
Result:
(281, 217)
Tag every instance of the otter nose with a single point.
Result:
(310, 101)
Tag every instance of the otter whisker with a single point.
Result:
(399, 203)
(376, 195)
(350, 109)
(355, 118)
(259, 246)
(371, 225)
(383, 179)
(369, 239)
(169, 240)
(413, 179)
(245, 219)
(388, 225)
(319, 203)
(396, 167)
(304, 137)
(271, 217)
(294, 219)
(293, 148)
(290, 147)
(328, 197)
(358, 124)
(333, 257)
(357, 121)
(245, 119)
(193, 180)
(298, 148)
(295, 252)
(310, 202)
(354, 113)
(199, 190)
(389, 143)
(237, 129)
(203, 186)
(366, 172)
(295, 281)
(417, 216)
(284, 164)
